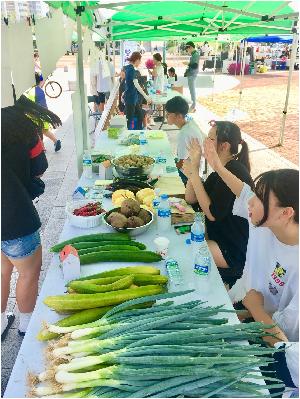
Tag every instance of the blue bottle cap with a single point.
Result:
(164, 196)
(188, 241)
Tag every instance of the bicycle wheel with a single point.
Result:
(53, 89)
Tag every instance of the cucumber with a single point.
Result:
(86, 287)
(146, 279)
(91, 244)
(90, 301)
(122, 271)
(78, 318)
(92, 237)
(100, 281)
(108, 248)
(119, 256)
(138, 279)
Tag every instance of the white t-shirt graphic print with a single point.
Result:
(271, 268)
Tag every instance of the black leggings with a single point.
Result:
(131, 111)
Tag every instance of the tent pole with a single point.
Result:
(122, 53)
(242, 72)
(80, 70)
(215, 61)
(164, 52)
(236, 58)
(114, 54)
(292, 62)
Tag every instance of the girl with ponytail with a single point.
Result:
(227, 234)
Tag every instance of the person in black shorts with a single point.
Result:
(227, 234)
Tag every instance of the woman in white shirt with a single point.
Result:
(269, 286)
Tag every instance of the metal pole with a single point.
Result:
(242, 72)
(85, 140)
(164, 52)
(236, 59)
(215, 61)
(114, 54)
(292, 62)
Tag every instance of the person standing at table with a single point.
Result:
(105, 81)
(227, 234)
(176, 113)
(158, 73)
(132, 90)
(192, 71)
(23, 162)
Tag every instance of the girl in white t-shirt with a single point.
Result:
(269, 285)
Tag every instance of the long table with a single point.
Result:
(30, 357)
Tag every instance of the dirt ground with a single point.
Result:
(263, 100)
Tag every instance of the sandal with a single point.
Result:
(10, 319)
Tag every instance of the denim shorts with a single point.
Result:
(21, 247)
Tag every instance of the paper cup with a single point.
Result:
(162, 245)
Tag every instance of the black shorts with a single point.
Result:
(100, 98)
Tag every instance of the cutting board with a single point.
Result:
(172, 186)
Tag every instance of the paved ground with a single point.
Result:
(61, 178)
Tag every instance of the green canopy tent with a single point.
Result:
(177, 19)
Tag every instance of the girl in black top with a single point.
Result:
(227, 234)
(23, 162)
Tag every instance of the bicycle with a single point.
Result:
(52, 88)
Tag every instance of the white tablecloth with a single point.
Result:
(30, 357)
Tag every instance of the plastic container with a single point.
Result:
(84, 222)
(197, 234)
(202, 263)
(163, 215)
(87, 165)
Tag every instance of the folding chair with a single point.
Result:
(95, 115)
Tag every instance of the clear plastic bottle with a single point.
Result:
(87, 165)
(197, 234)
(156, 200)
(174, 272)
(163, 214)
(143, 143)
(202, 263)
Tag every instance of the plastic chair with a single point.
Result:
(95, 115)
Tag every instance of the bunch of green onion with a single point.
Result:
(165, 351)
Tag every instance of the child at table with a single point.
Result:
(176, 113)
(269, 287)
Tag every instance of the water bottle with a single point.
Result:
(163, 214)
(174, 272)
(156, 200)
(202, 262)
(87, 165)
(143, 143)
(197, 234)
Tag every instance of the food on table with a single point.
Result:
(119, 256)
(112, 247)
(92, 238)
(136, 161)
(120, 195)
(101, 158)
(90, 209)
(90, 301)
(167, 350)
(144, 215)
(113, 132)
(125, 270)
(131, 139)
(130, 207)
(145, 192)
(116, 219)
(148, 201)
(133, 185)
(134, 221)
